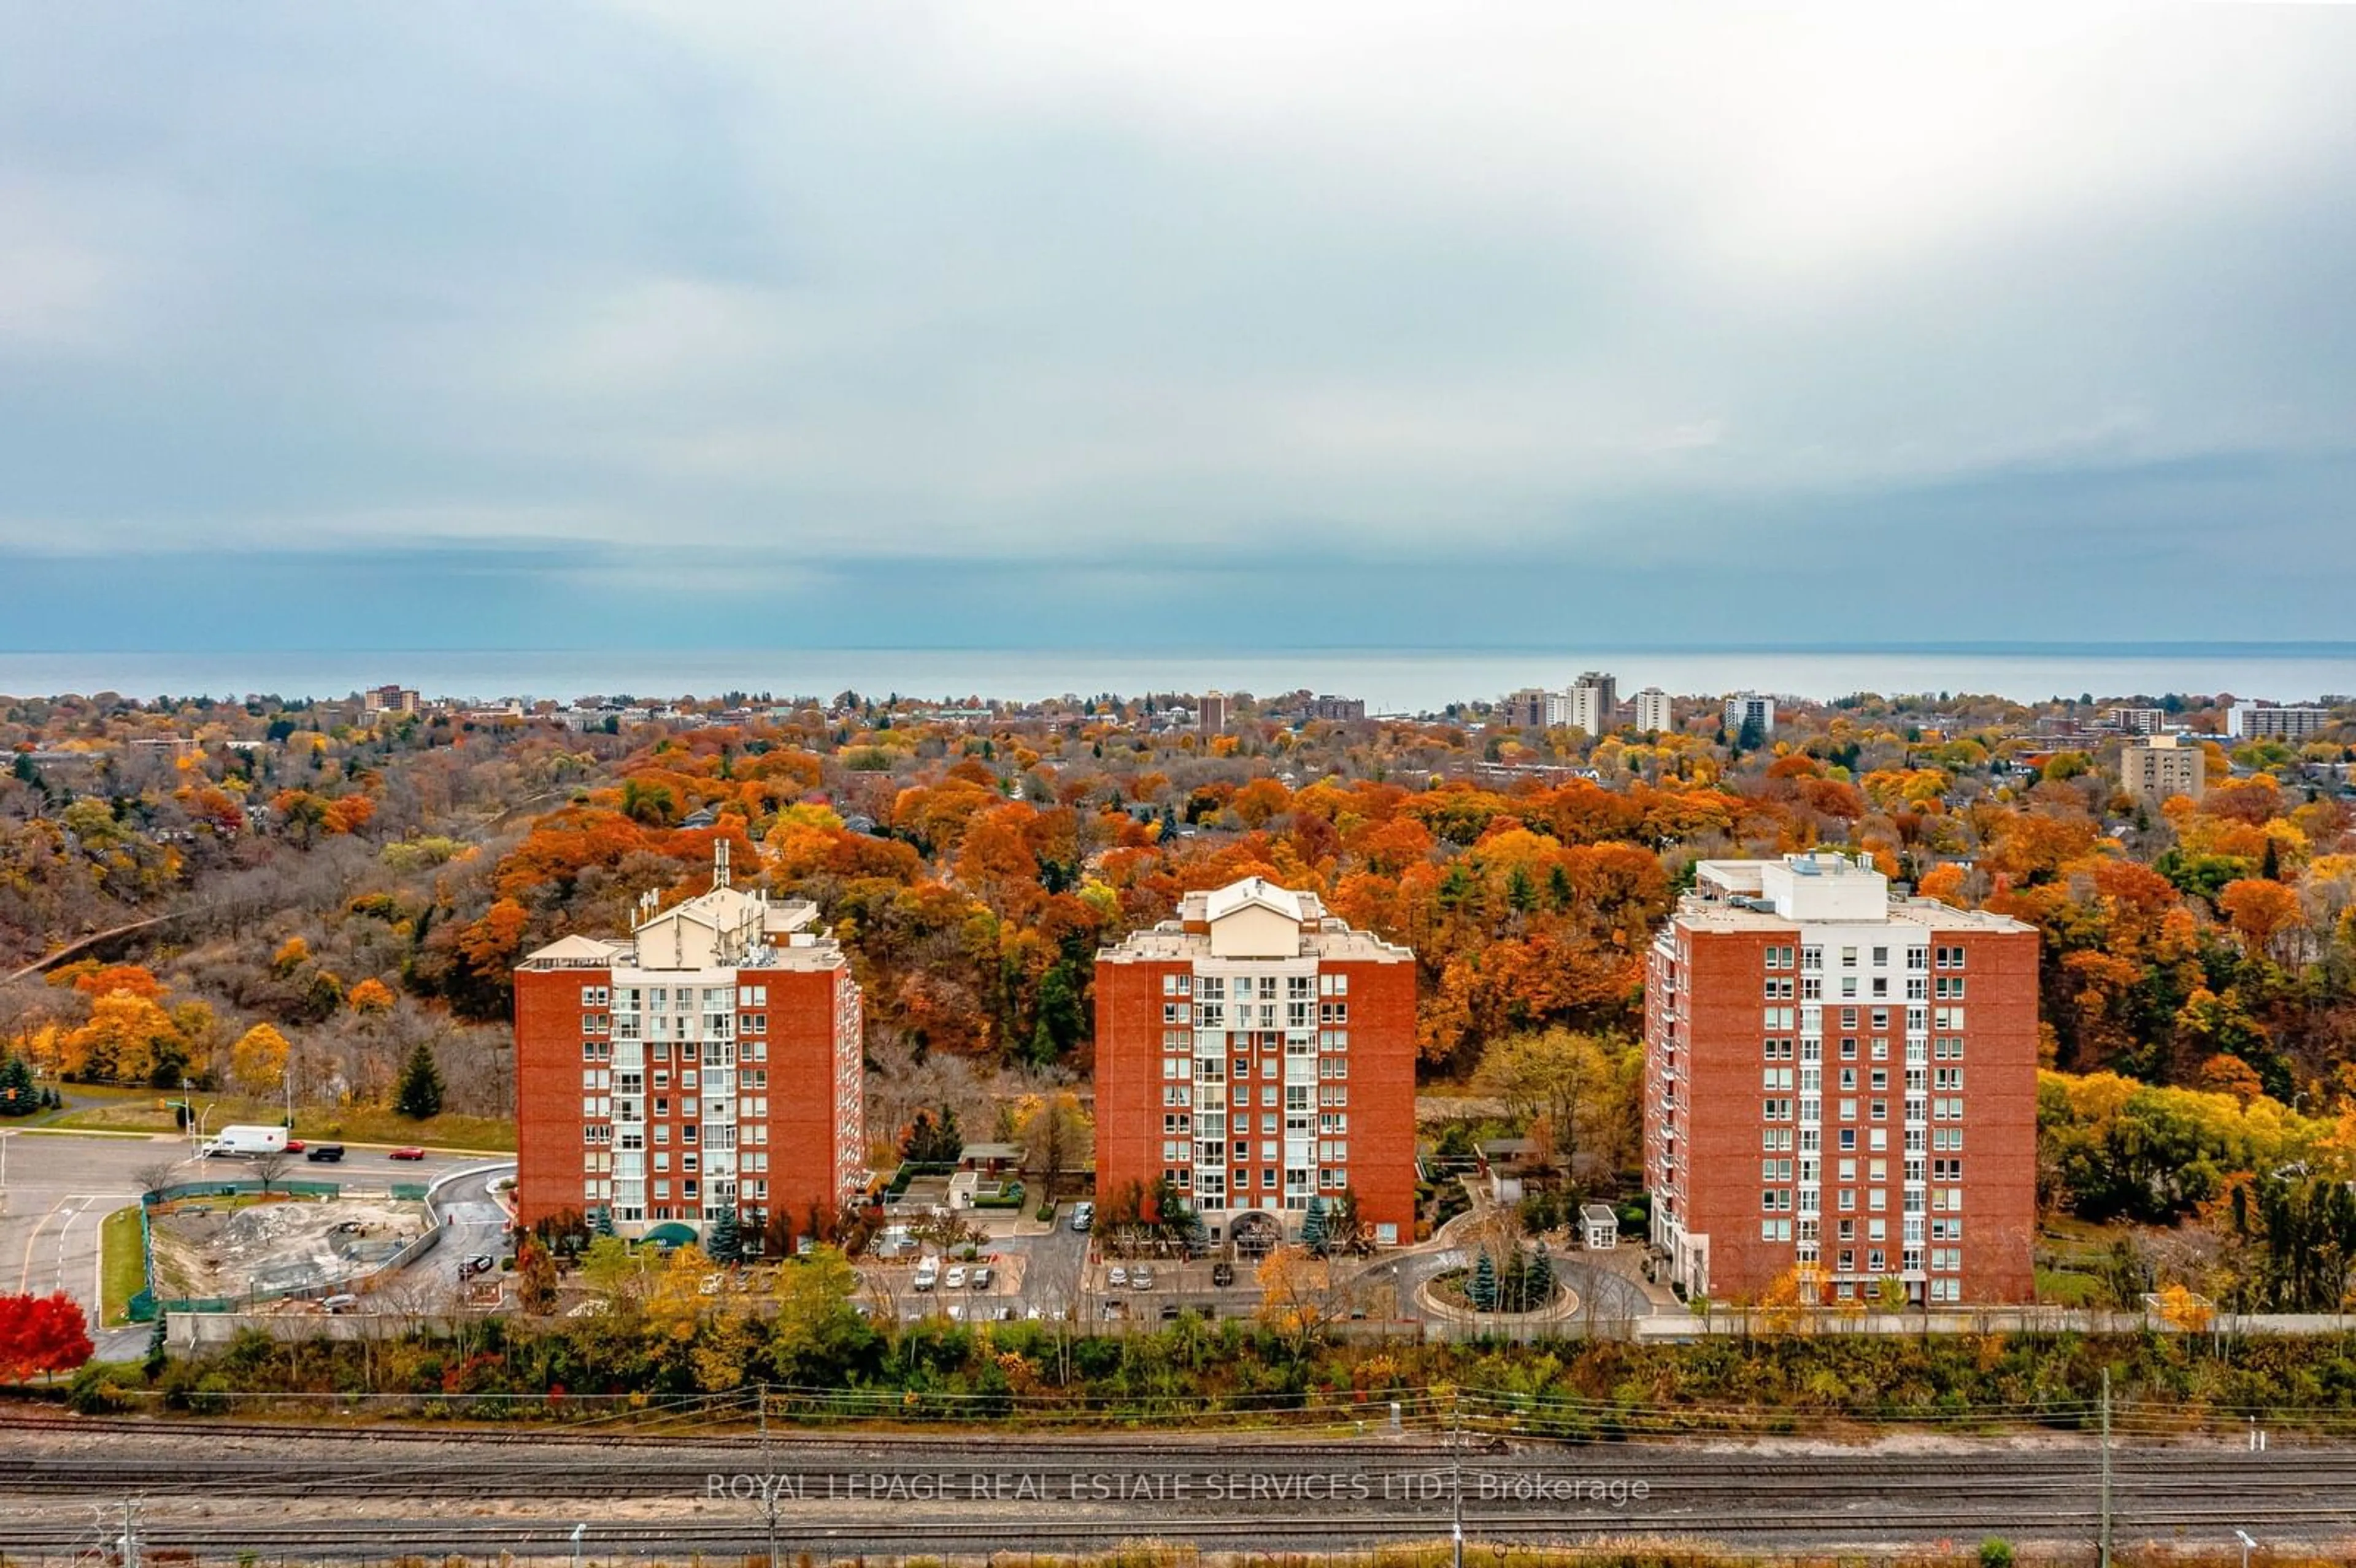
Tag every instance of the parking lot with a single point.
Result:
(62, 1185)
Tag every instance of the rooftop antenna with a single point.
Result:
(718, 863)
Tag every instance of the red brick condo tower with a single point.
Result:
(1804, 1026)
(1257, 1052)
(710, 1060)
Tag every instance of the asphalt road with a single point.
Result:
(62, 1185)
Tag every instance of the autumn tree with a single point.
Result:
(1296, 1296)
(41, 1335)
(129, 1038)
(1569, 1088)
(1056, 1136)
(817, 1337)
(535, 1278)
(257, 1062)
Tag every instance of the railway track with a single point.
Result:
(341, 1494)
(748, 1530)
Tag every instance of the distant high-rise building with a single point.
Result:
(1595, 703)
(388, 699)
(2272, 721)
(1653, 716)
(1257, 1054)
(1749, 708)
(1528, 709)
(1339, 710)
(1892, 1118)
(1211, 714)
(2153, 770)
(2136, 721)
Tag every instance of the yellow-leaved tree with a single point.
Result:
(257, 1062)
(126, 1036)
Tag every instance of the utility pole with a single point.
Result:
(1456, 1476)
(130, 1533)
(769, 1479)
(2105, 1549)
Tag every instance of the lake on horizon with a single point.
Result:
(1391, 680)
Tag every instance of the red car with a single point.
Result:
(294, 1146)
(407, 1153)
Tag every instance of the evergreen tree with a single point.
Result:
(1482, 1291)
(605, 1220)
(19, 1095)
(934, 1140)
(1312, 1228)
(419, 1094)
(723, 1242)
(1538, 1282)
(160, 1351)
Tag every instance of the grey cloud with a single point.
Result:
(1055, 305)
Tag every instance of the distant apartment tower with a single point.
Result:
(1749, 708)
(2163, 765)
(1798, 1015)
(2272, 721)
(388, 699)
(1339, 710)
(1258, 1053)
(1531, 707)
(1594, 703)
(711, 1060)
(2136, 721)
(1211, 714)
(1652, 712)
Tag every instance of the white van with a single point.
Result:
(929, 1273)
(245, 1143)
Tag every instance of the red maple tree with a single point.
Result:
(41, 1334)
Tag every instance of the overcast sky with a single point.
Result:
(454, 325)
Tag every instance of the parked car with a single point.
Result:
(1141, 1276)
(1005, 1315)
(340, 1304)
(481, 1262)
(413, 1152)
(326, 1152)
(1083, 1218)
(928, 1274)
(981, 1277)
(1117, 1277)
(1170, 1312)
(1223, 1275)
(956, 1280)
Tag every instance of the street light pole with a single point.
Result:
(2244, 1536)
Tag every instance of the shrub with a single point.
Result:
(1995, 1553)
(98, 1389)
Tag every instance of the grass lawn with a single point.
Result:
(2061, 1289)
(124, 1273)
(369, 1124)
(128, 1115)
(143, 1112)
